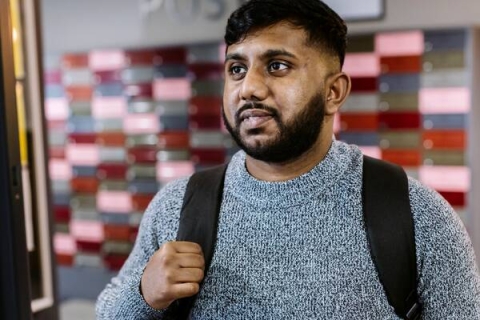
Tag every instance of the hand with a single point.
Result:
(174, 271)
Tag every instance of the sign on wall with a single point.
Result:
(358, 10)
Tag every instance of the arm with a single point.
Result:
(449, 282)
(122, 299)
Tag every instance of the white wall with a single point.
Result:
(79, 25)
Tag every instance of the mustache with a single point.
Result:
(256, 105)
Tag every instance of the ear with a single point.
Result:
(338, 89)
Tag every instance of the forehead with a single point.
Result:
(280, 36)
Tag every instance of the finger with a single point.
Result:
(183, 290)
(185, 275)
(187, 247)
(190, 260)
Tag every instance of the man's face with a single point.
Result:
(274, 101)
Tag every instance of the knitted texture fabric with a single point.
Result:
(298, 250)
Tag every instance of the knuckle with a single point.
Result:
(167, 259)
(198, 274)
(201, 260)
(197, 247)
(194, 288)
(166, 292)
(169, 276)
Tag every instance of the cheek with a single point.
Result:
(291, 100)
(228, 107)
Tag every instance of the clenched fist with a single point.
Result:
(174, 271)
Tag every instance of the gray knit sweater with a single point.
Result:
(298, 250)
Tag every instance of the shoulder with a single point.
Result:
(429, 208)
(440, 234)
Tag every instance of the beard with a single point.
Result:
(294, 137)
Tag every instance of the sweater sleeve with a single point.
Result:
(449, 282)
(121, 298)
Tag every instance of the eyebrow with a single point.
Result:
(269, 54)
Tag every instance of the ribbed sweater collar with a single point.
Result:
(291, 192)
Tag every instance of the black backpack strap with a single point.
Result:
(198, 223)
(389, 223)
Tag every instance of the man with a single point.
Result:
(291, 238)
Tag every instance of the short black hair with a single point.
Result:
(323, 26)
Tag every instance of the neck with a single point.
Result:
(268, 171)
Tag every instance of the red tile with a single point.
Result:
(359, 121)
(75, 61)
(62, 214)
(444, 139)
(174, 140)
(64, 259)
(457, 199)
(79, 93)
(116, 139)
(112, 171)
(177, 55)
(141, 202)
(84, 185)
(142, 155)
(114, 261)
(399, 120)
(117, 232)
(205, 122)
(82, 138)
(140, 57)
(201, 105)
(407, 158)
(405, 64)
(364, 84)
(89, 246)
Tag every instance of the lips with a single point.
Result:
(254, 118)
(254, 113)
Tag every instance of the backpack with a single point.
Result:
(391, 240)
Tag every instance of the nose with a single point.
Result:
(254, 86)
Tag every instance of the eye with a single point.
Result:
(236, 69)
(277, 66)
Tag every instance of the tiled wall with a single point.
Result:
(123, 123)
(410, 103)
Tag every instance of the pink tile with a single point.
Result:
(141, 123)
(64, 244)
(172, 89)
(91, 231)
(444, 100)
(362, 65)
(52, 77)
(399, 43)
(168, 171)
(106, 60)
(60, 169)
(83, 154)
(336, 123)
(114, 201)
(446, 178)
(221, 52)
(56, 109)
(374, 152)
(109, 107)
